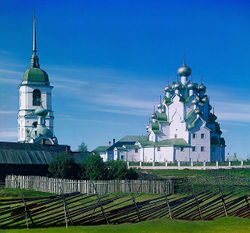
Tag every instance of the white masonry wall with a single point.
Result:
(26, 117)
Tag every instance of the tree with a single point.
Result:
(83, 147)
(93, 168)
(63, 166)
(118, 170)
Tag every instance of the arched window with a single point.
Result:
(36, 97)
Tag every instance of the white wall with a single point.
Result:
(198, 142)
(26, 109)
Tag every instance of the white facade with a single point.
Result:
(183, 128)
(26, 117)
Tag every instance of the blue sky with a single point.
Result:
(110, 60)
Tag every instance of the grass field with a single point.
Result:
(223, 225)
(208, 173)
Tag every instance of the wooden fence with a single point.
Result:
(59, 186)
(81, 209)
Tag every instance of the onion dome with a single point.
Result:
(176, 85)
(184, 70)
(34, 73)
(41, 111)
(198, 111)
(153, 116)
(202, 87)
(168, 88)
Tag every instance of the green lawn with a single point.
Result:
(14, 193)
(187, 172)
(223, 225)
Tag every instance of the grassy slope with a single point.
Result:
(186, 172)
(225, 225)
(14, 193)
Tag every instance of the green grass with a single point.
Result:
(14, 193)
(208, 173)
(225, 225)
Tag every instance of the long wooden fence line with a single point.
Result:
(58, 186)
(82, 209)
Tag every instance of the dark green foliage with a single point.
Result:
(93, 168)
(83, 147)
(118, 170)
(63, 166)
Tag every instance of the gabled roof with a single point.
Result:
(133, 138)
(29, 153)
(100, 149)
(165, 143)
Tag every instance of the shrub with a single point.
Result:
(63, 166)
(93, 167)
(118, 170)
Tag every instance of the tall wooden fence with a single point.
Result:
(59, 186)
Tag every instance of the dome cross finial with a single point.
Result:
(184, 59)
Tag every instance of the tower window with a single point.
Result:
(182, 148)
(202, 148)
(193, 135)
(193, 148)
(36, 97)
(202, 136)
(136, 150)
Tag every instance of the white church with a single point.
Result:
(183, 128)
(35, 115)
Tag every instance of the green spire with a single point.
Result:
(34, 58)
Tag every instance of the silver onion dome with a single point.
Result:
(184, 70)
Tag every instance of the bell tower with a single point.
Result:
(34, 91)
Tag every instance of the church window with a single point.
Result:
(193, 148)
(136, 150)
(36, 97)
(182, 148)
(175, 136)
(122, 157)
(158, 148)
(202, 136)
(202, 148)
(193, 135)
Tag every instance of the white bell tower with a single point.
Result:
(34, 92)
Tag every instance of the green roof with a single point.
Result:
(133, 138)
(101, 149)
(28, 153)
(120, 148)
(35, 75)
(191, 115)
(132, 147)
(155, 125)
(192, 125)
(161, 116)
(166, 143)
(167, 100)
